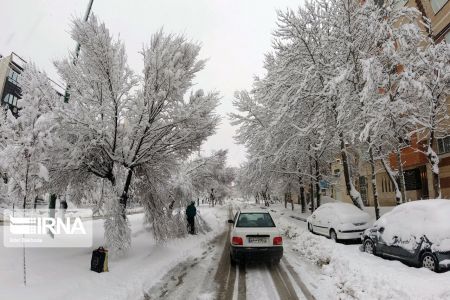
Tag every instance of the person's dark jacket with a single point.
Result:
(191, 211)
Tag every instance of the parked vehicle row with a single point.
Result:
(416, 233)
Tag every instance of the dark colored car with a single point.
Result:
(415, 233)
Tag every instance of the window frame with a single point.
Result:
(438, 9)
(13, 76)
(443, 145)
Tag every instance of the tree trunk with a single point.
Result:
(311, 187)
(434, 161)
(285, 200)
(351, 191)
(317, 182)
(292, 200)
(374, 183)
(213, 198)
(27, 171)
(302, 194)
(124, 197)
(401, 174)
(398, 194)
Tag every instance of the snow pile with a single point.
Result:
(358, 275)
(344, 272)
(56, 273)
(328, 199)
(410, 221)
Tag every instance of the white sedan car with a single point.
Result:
(339, 221)
(254, 235)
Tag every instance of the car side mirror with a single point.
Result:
(381, 229)
(231, 221)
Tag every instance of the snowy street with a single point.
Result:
(225, 150)
(198, 267)
(213, 271)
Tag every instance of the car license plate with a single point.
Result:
(257, 240)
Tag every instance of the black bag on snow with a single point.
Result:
(99, 260)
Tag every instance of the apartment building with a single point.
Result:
(10, 68)
(438, 12)
(417, 170)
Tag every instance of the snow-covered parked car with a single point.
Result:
(417, 233)
(338, 221)
(254, 235)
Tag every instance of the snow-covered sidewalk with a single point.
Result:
(339, 271)
(63, 273)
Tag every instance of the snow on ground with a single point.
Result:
(259, 284)
(341, 271)
(63, 273)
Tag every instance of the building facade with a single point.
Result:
(10, 92)
(417, 170)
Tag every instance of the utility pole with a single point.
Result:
(78, 47)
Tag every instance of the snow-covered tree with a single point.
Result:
(338, 81)
(195, 178)
(25, 138)
(432, 87)
(127, 129)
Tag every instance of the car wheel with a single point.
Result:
(369, 247)
(310, 228)
(429, 262)
(333, 235)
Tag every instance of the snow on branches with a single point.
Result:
(25, 138)
(346, 78)
(127, 129)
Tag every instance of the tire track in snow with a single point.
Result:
(188, 279)
(282, 283)
(260, 285)
(297, 280)
(192, 278)
(226, 273)
(242, 287)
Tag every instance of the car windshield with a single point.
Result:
(255, 220)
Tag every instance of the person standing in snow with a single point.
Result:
(191, 211)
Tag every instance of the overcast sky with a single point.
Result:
(234, 37)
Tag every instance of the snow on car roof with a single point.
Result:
(415, 219)
(342, 207)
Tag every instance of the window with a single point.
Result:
(13, 76)
(443, 145)
(400, 3)
(255, 220)
(413, 180)
(6, 98)
(437, 5)
(10, 99)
